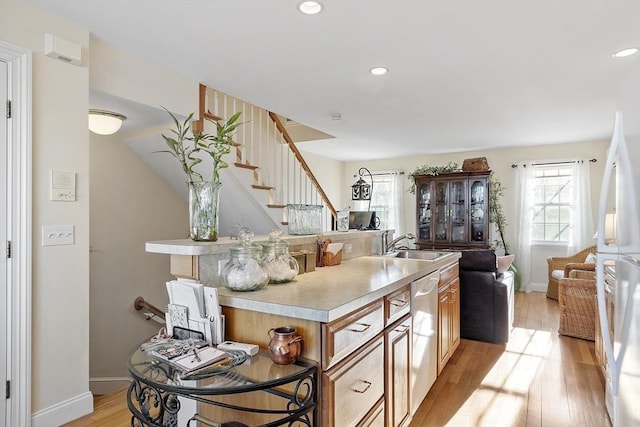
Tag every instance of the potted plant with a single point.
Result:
(204, 195)
(496, 216)
(430, 170)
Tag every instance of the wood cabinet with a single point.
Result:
(398, 341)
(346, 334)
(366, 378)
(448, 314)
(352, 388)
(452, 210)
(375, 418)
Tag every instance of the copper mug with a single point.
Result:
(285, 346)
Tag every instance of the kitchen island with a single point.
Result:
(355, 321)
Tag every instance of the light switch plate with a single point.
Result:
(53, 235)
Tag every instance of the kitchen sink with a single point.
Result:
(417, 254)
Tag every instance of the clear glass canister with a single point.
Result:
(245, 271)
(281, 265)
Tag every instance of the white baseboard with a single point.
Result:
(64, 412)
(536, 287)
(106, 385)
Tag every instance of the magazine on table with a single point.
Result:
(186, 355)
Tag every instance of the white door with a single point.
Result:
(4, 307)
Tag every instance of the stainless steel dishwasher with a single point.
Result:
(424, 308)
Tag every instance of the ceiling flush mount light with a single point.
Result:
(105, 122)
(625, 52)
(310, 7)
(379, 71)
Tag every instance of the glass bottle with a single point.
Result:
(245, 271)
(281, 265)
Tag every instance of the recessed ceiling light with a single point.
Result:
(625, 52)
(310, 7)
(378, 71)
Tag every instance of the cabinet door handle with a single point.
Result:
(365, 384)
(364, 326)
(398, 302)
(402, 328)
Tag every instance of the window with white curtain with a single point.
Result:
(387, 200)
(552, 205)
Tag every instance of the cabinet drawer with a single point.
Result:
(448, 274)
(352, 388)
(344, 335)
(397, 304)
(375, 418)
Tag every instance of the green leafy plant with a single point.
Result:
(430, 170)
(496, 214)
(184, 145)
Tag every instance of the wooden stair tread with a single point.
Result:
(245, 166)
(209, 115)
(261, 187)
(276, 206)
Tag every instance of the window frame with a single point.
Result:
(559, 167)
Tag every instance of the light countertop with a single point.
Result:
(329, 293)
(222, 245)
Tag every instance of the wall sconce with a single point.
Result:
(105, 122)
(361, 190)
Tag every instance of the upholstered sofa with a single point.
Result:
(486, 298)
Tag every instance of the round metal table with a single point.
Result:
(227, 394)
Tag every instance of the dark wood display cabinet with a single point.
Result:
(452, 210)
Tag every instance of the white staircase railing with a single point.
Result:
(279, 173)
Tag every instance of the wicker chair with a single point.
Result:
(567, 264)
(577, 301)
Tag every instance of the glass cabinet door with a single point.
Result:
(478, 210)
(424, 212)
(458, 212)
(442, 211)
(452, 210)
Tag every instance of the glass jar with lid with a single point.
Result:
(245, 271)
(281, 265)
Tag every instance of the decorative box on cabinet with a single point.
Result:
(452, 210)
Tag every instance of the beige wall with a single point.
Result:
(120, 74)
(500, 162)
(61, 274)
(60, 347)
(330, 175)
(130, 205)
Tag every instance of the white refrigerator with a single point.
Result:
(622, 346)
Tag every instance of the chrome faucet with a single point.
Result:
(389, 247)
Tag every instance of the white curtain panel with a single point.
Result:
(396, 204)
(582, 218)
(525, 191)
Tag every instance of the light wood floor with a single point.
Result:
(539, 379)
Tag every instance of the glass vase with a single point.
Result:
(203, 210)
